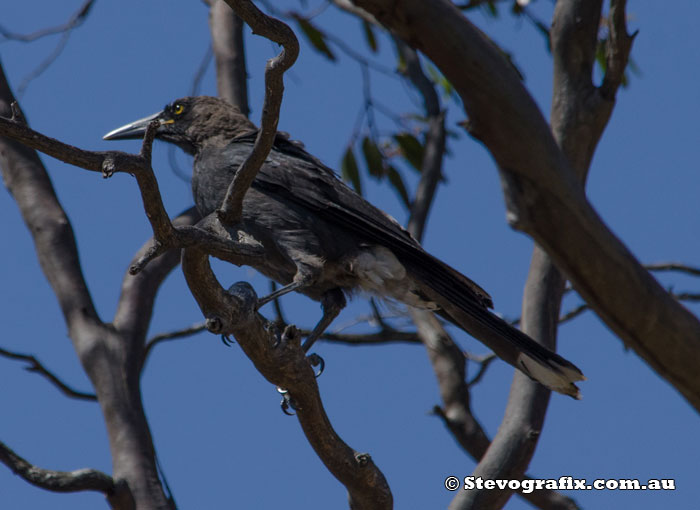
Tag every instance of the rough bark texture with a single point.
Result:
(109, 356)
(543, 195)
(227, 42)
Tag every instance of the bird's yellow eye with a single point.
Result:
(178, 109)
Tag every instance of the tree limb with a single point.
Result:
(273, 29)
(57, 481)
(543, 196)
(172, 335)
(106, 354)
(281, 361)
(227, 44)
(36, 366)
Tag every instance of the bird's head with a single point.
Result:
(191, 123)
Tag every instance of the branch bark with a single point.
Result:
(108, 356)
(279, 32)
(229, 53)
(280, 359)
(57, 481)
(543, 196)
(36, 366)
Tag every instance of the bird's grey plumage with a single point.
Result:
(317, 230)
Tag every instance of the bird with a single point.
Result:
(324, 240)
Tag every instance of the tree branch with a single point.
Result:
(172, 335)
(54, 240)
(227, 43)
(673, 266)
(76, 19)
(106, 354)
(57, 481)
(281, 361)
(138, 291)
(619, 45)
(543, 195)
(231, 210)
(36, 366)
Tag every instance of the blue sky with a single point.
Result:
(218, 429)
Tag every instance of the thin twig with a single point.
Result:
(36, 366)
(74, 21)
(619, 45)
(171, 335)
(674, 267)
(484, 363)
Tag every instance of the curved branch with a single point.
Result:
(76, 19)
(675, 267)
(173, 335)
(36, 366)
(281, 361)
(26, 178)
(543, 196)
(57, 481)
(275, 30)
(138, 292)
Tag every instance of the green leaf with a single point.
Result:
(349, 170)
(411, 149)
(448, 91)
(397, 182)
(373, 158)
(491, 9)
(369, 36)
(316, 38)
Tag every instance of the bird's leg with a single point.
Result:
(281, 292)
(306, 275)
(332, 302)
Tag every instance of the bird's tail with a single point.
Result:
(516, 348)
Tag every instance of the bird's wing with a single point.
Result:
(297, 177)
(294, 174)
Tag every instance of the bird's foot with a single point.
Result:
(287, 402)
(317, 361)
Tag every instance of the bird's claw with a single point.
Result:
(227, 340)
(287, 402)
(317, 361)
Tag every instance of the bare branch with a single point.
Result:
(172, 335)
(544, 197)
(36, 366)
(383, 336)
(673, 267)
(619, 45)
(199, 73)
(281, 361)
(74, 21)
(351, 8)
(138, 292)
(484, 363)
(27, 180)
(57, 481)
(166, 235)
(690, 297)
(280, 33)
(66, 30)
(227, 44)
(469, 434)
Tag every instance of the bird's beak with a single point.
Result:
(132, 130)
